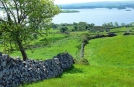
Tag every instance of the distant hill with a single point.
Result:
(117, 4)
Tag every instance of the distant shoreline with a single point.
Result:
(69, 11)
(128, 10)
(91, 5)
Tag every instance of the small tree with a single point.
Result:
(75, 27)
(116, 24)
(22, 18)
(63, 29)
(82, 26)
(54, 26)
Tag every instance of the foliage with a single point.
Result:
(63, 29)
(85, 38)
(108, 25)
(82, 26)
(116, 24)
(22, 18)
(75, 27)
(54, 26)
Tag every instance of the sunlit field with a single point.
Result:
(111, 62)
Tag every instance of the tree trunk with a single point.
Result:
(22, 50)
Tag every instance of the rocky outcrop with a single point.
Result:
(14, 71)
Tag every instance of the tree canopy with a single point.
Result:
(22, 18)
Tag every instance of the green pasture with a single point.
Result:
(90, 76)
(111, 60)
(121, 30)
(113, 52)
(68, 44)
(111, 63)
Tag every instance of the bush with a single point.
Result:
(63, 29)
(111, 34)
(126, 33)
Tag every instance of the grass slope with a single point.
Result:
(69, 44)
(120, 31)
(115, 51)
(111, 64)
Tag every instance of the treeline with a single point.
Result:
(83, 26)
(119, 5)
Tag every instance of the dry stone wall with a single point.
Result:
(14, 71)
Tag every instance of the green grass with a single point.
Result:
(115, 51)
(111, 60)
(111, 64)
(121, 30)
(90, 76)
(69, 44)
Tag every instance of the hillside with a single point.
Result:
(111, 52)
(111, 62)
(111, 59)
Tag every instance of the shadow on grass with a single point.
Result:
(72, 70)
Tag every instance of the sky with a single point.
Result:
(79, 1)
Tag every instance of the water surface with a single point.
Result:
(97, 16)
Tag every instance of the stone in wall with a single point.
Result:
(14, 72)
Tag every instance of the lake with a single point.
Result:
(97, 16)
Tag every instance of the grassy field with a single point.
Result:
(90, 76)
(64, 44)
(121, 30)
(111, 65)
(111, 60)
(113, 52)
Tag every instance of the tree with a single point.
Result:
(116, 24)
(123, 24)
(63, 29)
(92, 25)
(54, 26)
(106, 26)
(82, 26)
(74, 23)
(132, 24)
(22, 18)
(75, 27)
(111, 24)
